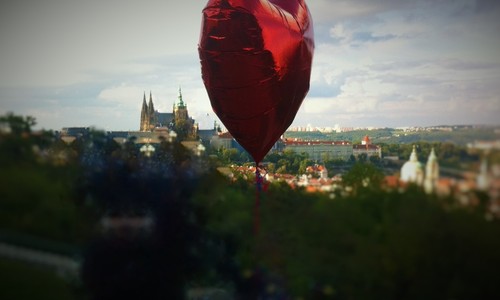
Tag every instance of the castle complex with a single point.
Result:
(178, 121)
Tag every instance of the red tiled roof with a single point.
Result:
(225, 135)
(289, 142)
(391, 181)
(315, 168)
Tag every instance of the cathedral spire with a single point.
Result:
(144, 115)
(151, 106)
(144, 105)
(151, 112)
(181, 102)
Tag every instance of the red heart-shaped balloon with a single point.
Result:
(256, 58)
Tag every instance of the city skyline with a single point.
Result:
(383, 63)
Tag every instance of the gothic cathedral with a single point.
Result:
(148, 114)
(178, 121)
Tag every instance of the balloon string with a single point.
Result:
(258, 189)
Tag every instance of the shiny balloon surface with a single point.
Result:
(256, 58)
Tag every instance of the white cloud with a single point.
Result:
(124, 94)
(54, 42)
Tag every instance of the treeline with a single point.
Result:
(371, 244)
(289, 162)
(355, 136)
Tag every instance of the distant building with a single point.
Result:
(206, 135)
(319, 170)
(75, 131)
(367, 148)
(485, 145)
(141, 137)
(328, 150)
(320, 150)
(222, 140)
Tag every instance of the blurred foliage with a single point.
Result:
(288, 162)
(372, 244)
(24, 282)
(39, 201)
(37, 192)
(365, 244)
(363, 175)
(16, 124)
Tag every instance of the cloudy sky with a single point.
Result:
(377, 62)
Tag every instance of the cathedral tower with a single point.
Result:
(180, 110)
(145, 119)
(184, 125)
(151, 113)
(149, 118)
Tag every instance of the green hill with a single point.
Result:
(460, 135)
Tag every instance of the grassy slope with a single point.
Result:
(20, 281)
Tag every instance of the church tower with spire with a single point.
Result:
(431, 173)
(145, 117)
(180, 110)
(151, 113)
(483, 178)
(184, 125)
(148, 114)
